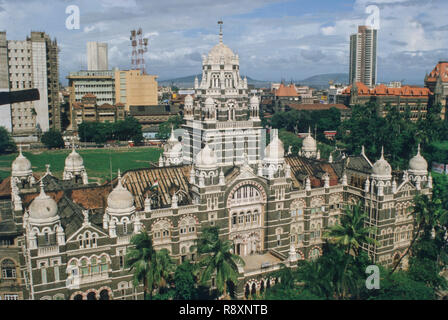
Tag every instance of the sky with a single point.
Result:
(275, 39)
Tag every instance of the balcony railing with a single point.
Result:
(48, 251)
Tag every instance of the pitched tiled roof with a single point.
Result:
(440, 69)
(286, 91)
(316, 106)
(170, 179)
(302, 167)
(383, 90)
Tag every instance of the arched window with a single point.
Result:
(125, 227)
(8, 269)
(94, 265)
(241, 218)
(47, 237)
(315, 253)
(84, 267)
(234, 218)
(104, 266)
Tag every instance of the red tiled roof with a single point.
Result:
(316, 106)
(383, 90)
(286, 91)
(440, 69)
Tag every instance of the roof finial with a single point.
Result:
(42, 191)
(382, 152)
(220, 30)
(20, 150)
(418, 152)
(309, 130)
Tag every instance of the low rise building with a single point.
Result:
(89, 111)
(406, 98)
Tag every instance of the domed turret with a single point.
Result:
(188, 99)
(254, 100)
(209, 103)
(381, 169)
(74, 167)
(275, 151)
(206, 158)
(21, 166)
(120, 200)
(173, 151)
(74, 161)
(43, 208)
(309, 143)
(418, 165)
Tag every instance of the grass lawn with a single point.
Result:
(96, 161)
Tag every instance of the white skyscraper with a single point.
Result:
(363, 46)
(97, 58)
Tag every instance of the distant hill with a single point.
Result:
(318, 81)
(322, 80)
(188, 82)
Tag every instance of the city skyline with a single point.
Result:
(276, 39)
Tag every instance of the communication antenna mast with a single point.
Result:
(139, 48)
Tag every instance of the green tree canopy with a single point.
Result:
(52, 139)
(6, 142)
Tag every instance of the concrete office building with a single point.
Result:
(32, 63)
(97, 58)
(99, 83)
(133, 88)
(5, 111)
(363, 50)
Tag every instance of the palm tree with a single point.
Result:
(351, 233)
(163, 267)
(427, 214)
(218, 260)
(139, 258)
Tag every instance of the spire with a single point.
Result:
(42, 191)
(119, 179)
(220, 30)
(172, 136)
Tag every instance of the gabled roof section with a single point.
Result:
(169, 179)
(441, 69)
(286, 91)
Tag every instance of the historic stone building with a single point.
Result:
(69, 237)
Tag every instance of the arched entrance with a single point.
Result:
(104, 295)
(91, 296)
(78, 297)
(247, 291)
(254, 289)
(262, 287)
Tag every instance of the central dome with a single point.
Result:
(221, 50)
(43, 206)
